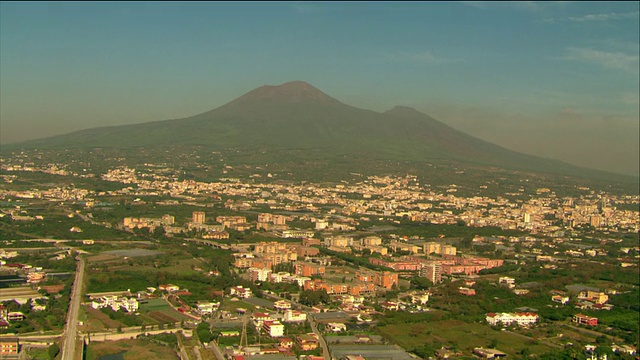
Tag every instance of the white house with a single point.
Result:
(294, 316)
(241, 292)
(282, 305)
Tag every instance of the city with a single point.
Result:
(259, 268)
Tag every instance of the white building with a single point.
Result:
(522, 319)
(336, 327)
(116, 303)
(564, 300)
(282, 305)
(273, 327)
(240, 292)
(294, 316)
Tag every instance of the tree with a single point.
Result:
(311, 297)
(53, 351)
(158, 232)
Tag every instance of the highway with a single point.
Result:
(69, 336)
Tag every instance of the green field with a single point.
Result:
(160, 311)
(460, 334)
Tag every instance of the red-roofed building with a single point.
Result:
(585, 320)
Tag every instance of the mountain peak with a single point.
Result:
(403, 110)
(289, 92)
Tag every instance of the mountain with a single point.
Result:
(298, 116)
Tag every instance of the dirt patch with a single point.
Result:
(161, 317)
(97, 321)
(101, 257)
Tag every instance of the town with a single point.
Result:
(260, 268)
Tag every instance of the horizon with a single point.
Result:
(562, 83)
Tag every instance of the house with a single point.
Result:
(585, 320)
(506, 280)
(286, 343)
(390, 305)
(15, 316)
(488, 353)
(168, 288)
(294, 316)
(259, 318)
(205, 307)
(420, 298)
(282, 305)
(466, 291)
(240, 292)
(307, 342)
(593, 296)
(564, 300)
(336, 327)
(625, 349)
(273, 327)
(229, 333)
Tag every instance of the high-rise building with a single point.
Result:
(198, 217)
(433, 272)
(431, 247)
(448, 250)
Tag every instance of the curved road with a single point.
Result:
(71, 328)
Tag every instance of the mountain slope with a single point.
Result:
(296, 115)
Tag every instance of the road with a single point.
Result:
(71, 328)
(213, 345)
(323, 344)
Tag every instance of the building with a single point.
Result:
(506, 280)
(116, 303)
(488, 353)
(466, 291)
(385, 279)
(522, 319)
(307, 342)
(259, 274)
(9, 348)
(309, 269)
(593, 296)
(240, 292)
(282, 305)
(198, 217)
(294, 316)
(299, 234)
(431, 248)
(432, 271)
(564, 300)
(585, 320)
(336, 327)
(448, 250)
(273, 327)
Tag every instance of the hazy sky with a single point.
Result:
(559, 80)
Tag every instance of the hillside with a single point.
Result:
(297, 116)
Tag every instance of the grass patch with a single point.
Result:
(464, 335)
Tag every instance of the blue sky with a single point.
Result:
(555, 79)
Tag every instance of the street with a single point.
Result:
(68, 343)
